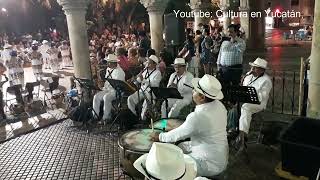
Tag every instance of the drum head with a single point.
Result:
(167, 124)
(137, 140)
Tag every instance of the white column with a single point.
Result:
(75, 11)
(155, 10)
(224, 6)
(197, 6)
(245, 20)
(314, 82)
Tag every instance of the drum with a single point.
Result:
(134, 144)
(167, 124)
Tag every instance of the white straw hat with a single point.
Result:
(179, 61)
(259, 62)
(154, 59)
(112, 58)
(166, 161)
(209, 86)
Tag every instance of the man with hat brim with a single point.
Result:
(166, 161)
(5, 54)
(15, 69)
(206, 127)
(149, 77)
(43, 50)
(36, 61)
(180, 79)
(53, 53)
(258, 79)
(108, 94)
(65, 53)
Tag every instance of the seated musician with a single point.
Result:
(258, 79)
(149, 77)
(108, 93)
(166, 161)
(206, 127)
(180, 79)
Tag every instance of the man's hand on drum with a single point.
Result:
(154, 136)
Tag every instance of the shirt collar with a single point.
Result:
(203, 107)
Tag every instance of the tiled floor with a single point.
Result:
(60, 152)
(13, 129)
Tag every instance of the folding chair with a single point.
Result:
(32, 89)
(52, 88)
(16, 91)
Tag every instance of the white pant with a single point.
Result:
(135, 98)
(174, 107)
(107, 97)
(246, 115)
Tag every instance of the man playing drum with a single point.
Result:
(181, 79)
(149, 77)
(108, 93)
(206, 127)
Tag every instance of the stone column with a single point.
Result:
(314, 82)
(198, 6)
(75, 11)
(155, 10)
(225, 7)
(245, 21)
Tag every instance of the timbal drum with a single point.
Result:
(134, 144)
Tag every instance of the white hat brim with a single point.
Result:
(112, 60)
(256, 65)
(181, 64)
(195, 82)
(191, 166)
(153, 60)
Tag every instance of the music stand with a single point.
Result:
(165, 93)
(241, 94)
(122, 89)
(87, 110)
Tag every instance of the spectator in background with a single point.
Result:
(144, 42)
(188, 53)
(230, 58)
(123, 60)
(133, 57)
(142, 56)
(206, 56)
(151, 52)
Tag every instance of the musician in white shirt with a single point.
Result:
(258, 79)
(206, 127)
(181, 79)
(108, 93)
(149, 77)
